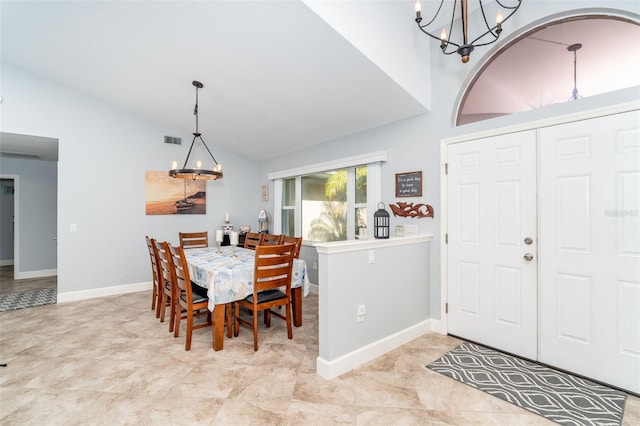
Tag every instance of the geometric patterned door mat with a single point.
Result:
(27, 299)
(554, 395)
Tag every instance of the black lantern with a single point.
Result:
(381, 223)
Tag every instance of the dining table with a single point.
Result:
(227, 274)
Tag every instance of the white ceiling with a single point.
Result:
(277, 77)
(283, 75)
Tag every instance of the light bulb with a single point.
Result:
(418, 6)
(174, 165)
(198, 164)
(443, 35)
(499, 17)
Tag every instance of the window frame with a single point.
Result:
(373, 161)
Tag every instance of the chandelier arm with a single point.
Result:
(508, 7)
(435, 15)
(486, 24)
(438, 38)
(492, 29)
(208, 150)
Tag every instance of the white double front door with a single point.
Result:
(544, 245)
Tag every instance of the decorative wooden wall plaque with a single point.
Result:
(411, 210)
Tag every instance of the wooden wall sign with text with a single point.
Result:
(409, 184)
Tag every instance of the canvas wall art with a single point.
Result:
(166, 195)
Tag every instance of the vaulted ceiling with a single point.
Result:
(277, 75)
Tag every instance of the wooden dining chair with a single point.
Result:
(167, 288)
(272, 273)
(286, 239)
(271, 240)
(155, 274)
(192, 300)
(194, 239)
(252, 240)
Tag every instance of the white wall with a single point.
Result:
(103, 154)
(414, 144)
(38, 215)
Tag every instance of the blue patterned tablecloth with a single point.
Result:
(228, 278)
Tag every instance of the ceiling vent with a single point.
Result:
(20, 155)
(173, 140)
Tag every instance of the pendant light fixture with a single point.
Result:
(464, 47)
(196, 172)
(574, 48)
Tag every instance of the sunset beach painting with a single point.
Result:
(167, 195)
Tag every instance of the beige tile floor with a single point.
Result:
(109, 361)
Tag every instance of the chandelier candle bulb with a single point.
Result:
(174, 165)
(418, 10)
(218, 235)
(198, 164)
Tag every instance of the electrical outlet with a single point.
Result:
(360, 313)
(315, 265)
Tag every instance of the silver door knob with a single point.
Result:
(528, 257)
(528, 241)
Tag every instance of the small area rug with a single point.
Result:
(554, 395)
(27, 299)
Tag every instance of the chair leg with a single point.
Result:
(159, 300)
(163, 306)
(254, 314)
(267, 317)
(172, 310)
(288, 315)
(187, 344)
(236, 319)
(154, 296)
(176, 325)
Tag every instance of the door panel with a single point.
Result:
(491, 210)
(589, 223)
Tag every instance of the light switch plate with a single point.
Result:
(411, 230)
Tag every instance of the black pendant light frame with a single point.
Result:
(197, 174)
(464, 48)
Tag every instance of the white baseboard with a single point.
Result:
(347, 362)
(36, 274)
(6, 262)
(438, 326)
(72, 296)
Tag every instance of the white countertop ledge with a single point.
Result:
(359, 245)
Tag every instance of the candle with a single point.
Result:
(226, 217)
(218, 235)
(234, 238)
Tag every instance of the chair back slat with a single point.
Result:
(286, 239)
(194, 239)
(180, 268)
(252, 240)
(273, 267)
(271, 240)
(154, 260)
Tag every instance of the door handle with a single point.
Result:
(528, 257)
(528, 241)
